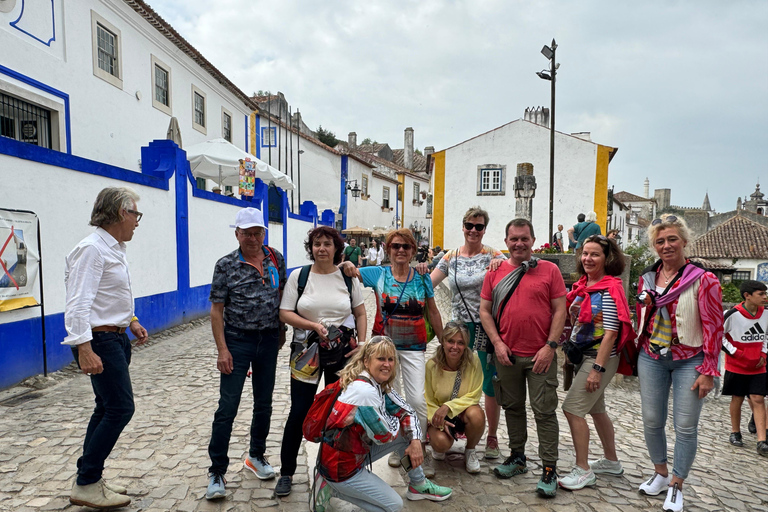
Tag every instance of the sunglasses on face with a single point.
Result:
(395, 246)
(477, 227)
(671, 218)
(138, 214)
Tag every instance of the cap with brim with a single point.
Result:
(249, 218)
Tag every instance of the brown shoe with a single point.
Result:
(97, 496)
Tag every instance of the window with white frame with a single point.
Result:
(416, 198)
(269, 136)
(226, 124)
(385, 197)
(161, 86)
(491, 180)
(107, 51)
(24, 121)
(742, 275)
(364, 187)
(199, 111)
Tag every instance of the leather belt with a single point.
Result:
(109, 328)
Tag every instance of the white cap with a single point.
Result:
(249, 218)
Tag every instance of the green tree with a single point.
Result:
(641, 257)
(367, 140)
(327, 137)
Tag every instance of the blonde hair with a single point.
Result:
(377, 346)
(450, 330)
(677, 222)
(476, 211)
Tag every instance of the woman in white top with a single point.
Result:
(373, 255)
(380, 259)
(325, 306)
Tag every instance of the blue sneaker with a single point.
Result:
(514, 465)
(216, 489)
(428, 490)
(547, 486)
(260, 467)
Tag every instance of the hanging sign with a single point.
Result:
(247, 177)
(18, 261)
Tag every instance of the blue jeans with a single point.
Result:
(114, 404)
(656, 376)
(255, 349)
(370, 492)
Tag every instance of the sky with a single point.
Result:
(680, 87)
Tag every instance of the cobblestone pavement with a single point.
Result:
(162, 455)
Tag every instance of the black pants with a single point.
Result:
(302, 396)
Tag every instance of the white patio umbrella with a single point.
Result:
(219, 160)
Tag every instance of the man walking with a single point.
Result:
(522, 308)
(245, 295)
(586, 227)
(352, 253)
(98, 311)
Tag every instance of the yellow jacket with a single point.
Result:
(438, 387)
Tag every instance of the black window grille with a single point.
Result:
(24, 121)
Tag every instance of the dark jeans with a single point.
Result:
(250, 349)
(302, 396)
(114, 404)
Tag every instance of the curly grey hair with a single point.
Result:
(110, 203)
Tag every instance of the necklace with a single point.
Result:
(667, 277)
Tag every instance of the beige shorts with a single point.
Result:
(578, 401)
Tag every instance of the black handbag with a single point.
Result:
(573, 352)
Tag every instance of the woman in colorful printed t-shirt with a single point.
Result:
(402, 295)
(680, 316)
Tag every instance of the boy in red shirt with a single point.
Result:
(746, 344)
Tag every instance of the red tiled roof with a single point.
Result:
(399, 169)
(737, 237)
(170, 33)
(419, 161)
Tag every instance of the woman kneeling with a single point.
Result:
(454, 385)
(368, 421)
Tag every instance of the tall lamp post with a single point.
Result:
(549, 53)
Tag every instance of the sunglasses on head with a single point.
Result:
(455, 325)
(670, 218)
(477, 227)
(597, 238)
(397, 246)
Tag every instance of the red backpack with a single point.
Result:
(317, 417)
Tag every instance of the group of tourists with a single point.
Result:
(507, 318)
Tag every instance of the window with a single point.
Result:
(742, 275)
(385, 197)
(491, 180)
(161, 86)
(416, 198)
(199, 113)
(25, 122)
(364, 187)
(429, 206)
(200, 183)
(107, 48)
(268, 138)
(226, 124)
(227, 189)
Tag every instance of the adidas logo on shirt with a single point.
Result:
(756, 333)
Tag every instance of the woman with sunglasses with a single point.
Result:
(402, 296)
(454, 385)
(464, 269)
(680, 320)
(600, 316)
(368, 421)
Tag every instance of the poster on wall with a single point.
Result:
(247, 177)
(18, 260)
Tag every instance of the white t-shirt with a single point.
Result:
(325, 298)
(373, 254)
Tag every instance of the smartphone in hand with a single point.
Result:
(406, 463)
(334, 333)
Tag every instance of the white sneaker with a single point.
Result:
(428, 466)
(578, 478)
(438, 455)
(472, 462)
(655, 485)
(603, 466)
(674, 501)
(394, 460)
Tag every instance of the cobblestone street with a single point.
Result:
(162, 455)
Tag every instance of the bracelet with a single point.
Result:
(134, 319)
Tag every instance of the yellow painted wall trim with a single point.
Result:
(401, 197)
(252, 138)
(438, 200)
(601, 185)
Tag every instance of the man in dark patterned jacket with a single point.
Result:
(245, 295)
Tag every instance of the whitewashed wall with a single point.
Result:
(297, 233)
(415, 214)
(518, 142)
(366, 212)
(275, 234)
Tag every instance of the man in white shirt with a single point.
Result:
(98, 311)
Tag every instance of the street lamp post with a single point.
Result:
(549, 53)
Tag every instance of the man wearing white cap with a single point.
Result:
(245, 295)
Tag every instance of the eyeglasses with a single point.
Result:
(670, 218)
(138, 214)
(397, 247)
(477, 227)
(253, 235)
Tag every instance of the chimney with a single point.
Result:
(647, 185)
(429, 150)
(352, 138)
(408, 151)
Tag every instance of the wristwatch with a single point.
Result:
(552, 345)
(598, 368)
